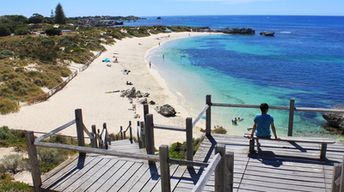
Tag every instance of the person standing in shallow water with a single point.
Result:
(262, 124)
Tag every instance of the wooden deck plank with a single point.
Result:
(115, 176)
(70, 179)
(151, 175)
(104, 178)
(68, 170)
(128, 174)
(89, 182)
(81, 180)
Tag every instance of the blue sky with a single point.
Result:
(175, 7)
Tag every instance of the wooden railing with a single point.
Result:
(291, 108)
(223, 161)
(338, 178)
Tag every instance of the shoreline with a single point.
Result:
(89, 91)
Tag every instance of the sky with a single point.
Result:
(174, 7)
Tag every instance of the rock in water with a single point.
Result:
(334, 119)
(167, 110)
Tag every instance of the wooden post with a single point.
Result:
(251, 151)
(164, 168)
(32, 152)
(323, 150)
(189, 144)
(121, 132)
(131, 134)
(341, 188)
(106, 145)
(80, 129)
(94, 131)
(220, 169)
(291, 116)
(228, 178)
(138, 134)
(149, 134)
(208, 116)
(336, 174)
(142, 132)
(145, 111)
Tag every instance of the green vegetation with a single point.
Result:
(30, 61)
(60, 17)
(49, 158)
(7, 184)
(53, 32)
(217, 129)
(178, 150)
(12, 138)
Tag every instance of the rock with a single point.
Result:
(138, 94)
(334, 119)
(143, 101)
(267, 33)
(130, 93)
(152, 102)
(166, 110)
(146, 94)
(239, 31)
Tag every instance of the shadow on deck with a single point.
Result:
(278, 166)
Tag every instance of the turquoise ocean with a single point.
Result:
(304, 60)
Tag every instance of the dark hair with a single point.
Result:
(264, 107)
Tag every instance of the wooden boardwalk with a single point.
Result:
(280, 166)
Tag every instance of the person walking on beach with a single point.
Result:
(262, 124)
(150, 64)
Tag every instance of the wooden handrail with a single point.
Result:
(98, 151)
(53, 132)
(206, 175)
(200, 115)
(303, 109)
(188, 163)
(172, 128)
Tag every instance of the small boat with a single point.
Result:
(267, 33)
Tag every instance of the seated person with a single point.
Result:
(262, 124)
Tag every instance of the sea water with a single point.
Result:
(304, 60)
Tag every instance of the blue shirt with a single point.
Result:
(263, 123)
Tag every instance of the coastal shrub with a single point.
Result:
(53, 32)
(50, 158)
(178, 150)
(4, 31)
(7, 184)
(36, 18)
(13, 163)
(21, 31)
(219, 130)
(6, 54)
(8, 106)
(12, 138)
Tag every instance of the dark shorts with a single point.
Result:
(264, 137)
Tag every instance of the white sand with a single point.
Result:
(87, 91)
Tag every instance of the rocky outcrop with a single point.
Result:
(238, 31)
(166, 110)
(334, 119)
(130, 93)
(267, 33)
(152, 102)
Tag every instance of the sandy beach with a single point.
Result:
(93, 90)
